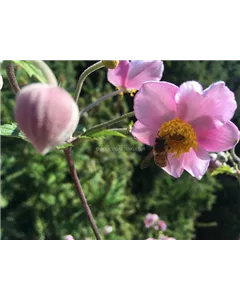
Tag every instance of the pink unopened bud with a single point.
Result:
(107, 230)
(47, 115)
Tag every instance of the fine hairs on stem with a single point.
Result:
(68, 155)
(12, 78)
(83, 77)
(86, 109)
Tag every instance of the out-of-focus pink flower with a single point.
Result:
(1, 82)
(192, 121)
(107, 230)
(166, 238)
(47, 115)
(161, 225)
(150, 239)
(151, 220)
(131, 75)
(69, 237)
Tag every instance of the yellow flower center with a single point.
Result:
(180, 136)
(131, 92)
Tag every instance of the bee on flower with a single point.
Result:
(200, 117)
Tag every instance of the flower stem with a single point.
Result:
(12, 78)
(108, 124)
(235, 157)
(72, 168)
(89, 107)
(46, 70)
(83, 77)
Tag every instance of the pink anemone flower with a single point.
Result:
(131, 75)
(192, 121)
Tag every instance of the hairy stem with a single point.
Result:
(235, 157)
(12, 78)
(108, 124)
(83, 77)
(72, 168)
(99, 101)
(46, 70)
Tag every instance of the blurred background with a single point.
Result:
(38, 199)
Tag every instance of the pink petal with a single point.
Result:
(155, 104)
(175, 166)
(143, 134)
(207, 110)
(220, 139)
(196, 162)
(118, 75)
(141, 71)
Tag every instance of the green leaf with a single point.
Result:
(31, 69)
(12, 130)
(107, 133)
(64, 146)
(225, 169)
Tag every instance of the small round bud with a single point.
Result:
(47, 115)
(111, 64)
(222, 157)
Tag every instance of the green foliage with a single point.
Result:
(39, 200)
(31, 69)
(11, 130)
(224, 169)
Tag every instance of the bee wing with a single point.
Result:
(145, 163)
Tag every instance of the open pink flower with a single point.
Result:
(131, 75)
(192, 121)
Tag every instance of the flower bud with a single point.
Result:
(222, 157)
(110, 64)
(47, 115)
(107, 230)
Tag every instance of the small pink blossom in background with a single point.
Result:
(107, 230)
(131, 75)
(69, 237)
(166, 238)
(1, 82)
(150, 239)
(47, 115)
(206, 114)
(151, 220)
(161, 225)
